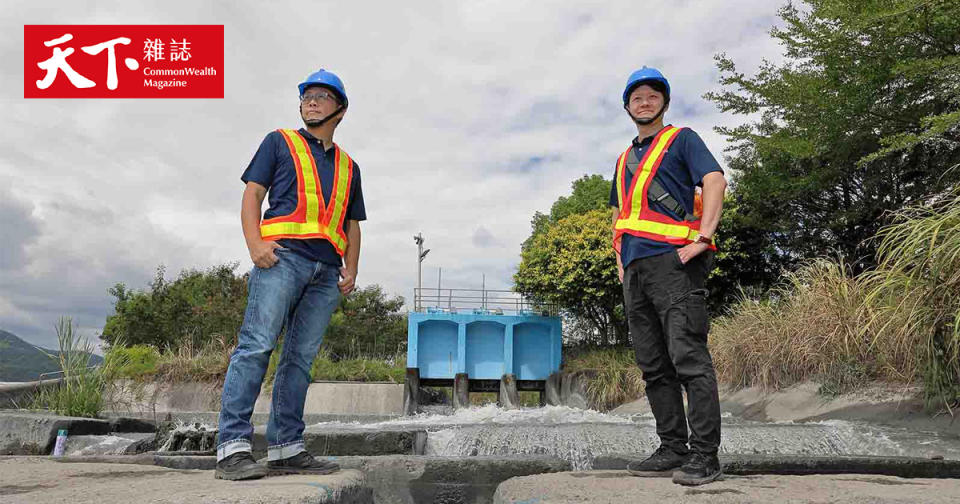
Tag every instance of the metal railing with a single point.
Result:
(59, 374)
(478, 301)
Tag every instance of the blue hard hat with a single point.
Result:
(328, 80)
(645, 74)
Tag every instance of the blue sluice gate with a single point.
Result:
(483, 345)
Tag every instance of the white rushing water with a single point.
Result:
(581, 435)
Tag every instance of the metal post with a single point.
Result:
(439, 276)
(417, 298)
(483, 297)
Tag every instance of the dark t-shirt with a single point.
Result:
(683, 167)
(273, 168)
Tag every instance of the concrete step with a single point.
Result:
(904, 467)
(31, 480)
(394, 479)
(619, 486)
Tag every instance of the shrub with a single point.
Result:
(140, 361)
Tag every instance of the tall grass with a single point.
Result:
(615, 377)
(81, 392)
(356, 368)
(899, 322)
(191, 363)
(914, 295)
(809, 327)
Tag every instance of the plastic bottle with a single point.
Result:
(61, 443)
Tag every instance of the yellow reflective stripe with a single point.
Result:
(310, 184)
(290, 228)
(343, 179)
(660, 228)
(644, 172)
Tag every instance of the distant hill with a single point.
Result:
(21, 361)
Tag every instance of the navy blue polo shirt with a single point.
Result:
(273, 168)
(683, 167)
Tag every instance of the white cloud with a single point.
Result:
(465, 117)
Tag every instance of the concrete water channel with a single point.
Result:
(465, 455)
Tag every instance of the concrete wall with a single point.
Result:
(340, 398)
(347, 398)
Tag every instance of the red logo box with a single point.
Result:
(123, 61)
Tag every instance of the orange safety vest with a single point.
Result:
(313, 218)
(636, 217)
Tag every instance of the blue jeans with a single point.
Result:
(297, 293)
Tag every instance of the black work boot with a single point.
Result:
(662, 463)
(302, 463)
(699, 468)
(239, 466)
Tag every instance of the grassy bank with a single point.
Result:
(209, 364)
(899, 322)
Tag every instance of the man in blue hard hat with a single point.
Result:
(667, 195)
(305, 252)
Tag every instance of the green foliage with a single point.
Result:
(571, 263)
(568, 261)
(590, 192)
(368, 322)
(196, 308)
(358, 369)
(80, 393)
(139, 361)
(745, 257)
(862, 117)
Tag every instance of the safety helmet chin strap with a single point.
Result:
(320, 122)
(644, 122)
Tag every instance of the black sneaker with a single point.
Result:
(302, 463)
(661, 463)
(697, 470)
(239, 466)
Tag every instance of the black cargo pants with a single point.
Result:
(667, 315)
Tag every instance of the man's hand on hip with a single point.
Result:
(261, 253)
(347, 281)
(690, 251)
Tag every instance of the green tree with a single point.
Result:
(367, 323)
(862, 117)
(590, 192)
(196, 308)
(571, 263)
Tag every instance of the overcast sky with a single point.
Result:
(465, 118)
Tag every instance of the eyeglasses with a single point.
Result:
(638, 98)
(318, 96)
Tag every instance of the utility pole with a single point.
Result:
(420, 255)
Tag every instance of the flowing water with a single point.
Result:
(113, 444)
(581, 435)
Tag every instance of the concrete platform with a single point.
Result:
(30, 480)
(394, 479)
(802, 465)
(596, 487)
(26, 433)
